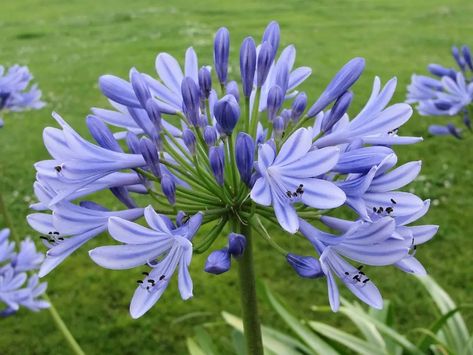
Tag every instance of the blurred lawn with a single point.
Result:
(68, 44)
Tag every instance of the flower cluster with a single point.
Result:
(16, 94)
(16, 287)
(234, 156)
(448, 93)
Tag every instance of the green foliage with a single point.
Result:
(376, 333)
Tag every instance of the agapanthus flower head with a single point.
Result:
(19, 286)
(16, 91)
(201, 154)
(449, 93)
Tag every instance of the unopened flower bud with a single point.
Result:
(244, 156)
(247, 65)
(278, 126)
(210, 135)
(298, 106)
(458, 58)
(274, 101)
(189, 140)
(339, 108)
(467, 55)
(205, 82)
(265, 59)
(102, 134)
(236, 244)
(154, 113)
(227, 113)
(217, 163)
(140, 87)
(191, 100)
(272, 35)
(340, 83)
(168, 186)
(218, 262)
(221, 52)
(150, 155)
(305, 266)
(232, 89)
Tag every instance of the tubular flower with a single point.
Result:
(448, 93)
(234, 152)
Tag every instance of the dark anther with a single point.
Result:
(60, 238)
(294, 194)
(380, 210)
(145, 273)
(57, 233)
(161, 277)
(58, 168)
(393, 201)
(50, 233)
(374, 209)
(347, 273)
(357, 278)
(43, 237)
(151, 281)
(139, 282)
(389, 209)
(288, 193)
(366, 280)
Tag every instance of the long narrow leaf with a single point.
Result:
(356, 344)
(313, 341)
(434, 328)
(194, 348)
(455, 329)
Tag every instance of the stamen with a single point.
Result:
(393, 201)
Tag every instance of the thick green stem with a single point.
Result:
(249, 304)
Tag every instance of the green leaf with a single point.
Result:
(271, 343)
(313, 341)
(205, 341)
(437, 341)
(193, 347)
(383, 328)
(434, 328)
(455, 329)
(358, 345)
(238, 341)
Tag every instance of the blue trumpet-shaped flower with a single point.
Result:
(164, 248)
(290, 176)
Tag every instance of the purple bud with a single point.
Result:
(443, 105)
(205, 82)
(210, 135)
(236, 244)
(227, 112)
(467, 55)
(118, 90)
(102, 134)
(189, 140)
(232, 89)
(121, 193)
(143, 120)
(340, 83)
(456, 55)
(218, 262)
(265, 59)
(191, 100)
(150, 155)
(244, 156)
(450, 129)
(168, 186)
(247, 65)
(272, 35)
(298, 106)
(181, 215)
(139, 87)
(440, 71)
(339, 108)
(217, 163)
(133, 143)
(274, 101)
(154, 113)
(286, 115)
(278, 126)
(221, 52)
(305, 266)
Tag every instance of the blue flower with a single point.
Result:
(290, 176)
(16, 288)
(365, 243)
(16, 94)
(164, 248)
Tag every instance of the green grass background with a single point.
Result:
(68, 44)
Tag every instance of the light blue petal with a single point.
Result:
(261, 192)
(169, 72)
(314, 163)
(297, 145)
(396, 178)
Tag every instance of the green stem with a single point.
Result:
(61, 326)
(7, 220)
(249, 304)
